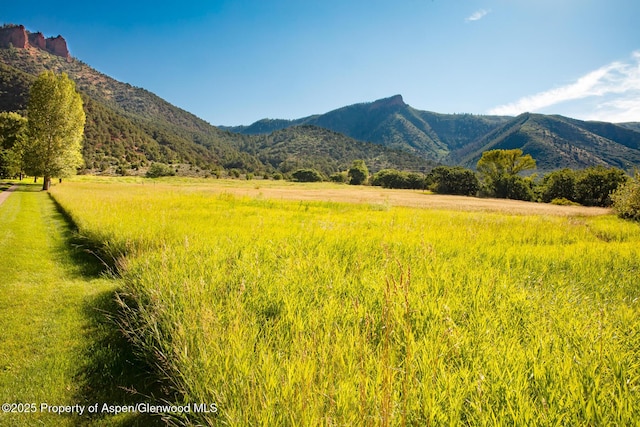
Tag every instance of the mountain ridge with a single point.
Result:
(129, 127)
(460, 139)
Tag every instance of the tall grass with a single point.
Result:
(296, 313)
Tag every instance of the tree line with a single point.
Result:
(499, 175)
(48, 143)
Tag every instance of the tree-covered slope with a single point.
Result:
(558, 142)
(308, 146)
(126, 126)
(459, 139)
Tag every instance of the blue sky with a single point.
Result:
(235, 62)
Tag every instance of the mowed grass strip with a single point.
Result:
(56, 346)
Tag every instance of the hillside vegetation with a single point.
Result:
(460, 139)
(128, 127)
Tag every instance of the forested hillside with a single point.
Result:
(128, 128)
(555, 142)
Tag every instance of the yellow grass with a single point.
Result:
(286, 310)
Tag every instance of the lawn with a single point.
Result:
(57, 348)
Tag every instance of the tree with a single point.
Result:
(594, 185)
(307, 175)
(358, 173)
(559, 184)
(13, 137)
(454, 180)
(55, 128)
(499, 170)
(392, 178)
(626, 199)
(156, 170)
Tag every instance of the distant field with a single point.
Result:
(282, 190)
(283, 305)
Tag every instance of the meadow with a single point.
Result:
(312, 312)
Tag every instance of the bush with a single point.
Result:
(339, 177)
(358, 173)
(391, 178)
(307, 175)
(454, 180)
(157, 170)
(511, 187)
(626, 199)
(561, 201)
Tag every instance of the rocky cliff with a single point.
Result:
(18, 37)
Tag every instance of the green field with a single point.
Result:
(286, 312)
(57, 348)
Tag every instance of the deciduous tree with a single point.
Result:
(358, 173)
(13, 137)
(55, 128)
(499, 171)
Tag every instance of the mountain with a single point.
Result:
(308, 146)
(631, 125)
(126, 126)
(559, 142)
(129, 127)
(392, 123)
(459, 139)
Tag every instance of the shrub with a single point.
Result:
(454, 180)
(561, 201)
(307, 175)
(157, 170)
(595, 185)
(340, 177)
(559, 185)
(358, 173)
(510, 187)
(391, 178)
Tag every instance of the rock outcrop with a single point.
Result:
(58, 46)
(18, 37)
(37, 40)
(394, 101)
(15, 36)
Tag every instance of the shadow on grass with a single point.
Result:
(116, 376)
(111, 373)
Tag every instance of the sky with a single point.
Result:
(235, 62)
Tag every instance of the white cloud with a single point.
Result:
(477, 15)
(615, 89)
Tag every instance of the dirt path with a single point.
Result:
(6, 193)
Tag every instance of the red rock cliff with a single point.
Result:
(58, 46)
(14, 36)
(37, 40)
(18, 37)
